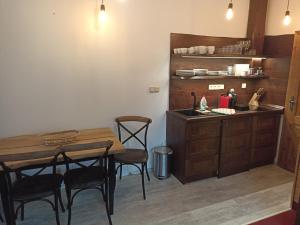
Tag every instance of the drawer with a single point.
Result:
(263, 156)
(241, 143)
(233, 163)
(205, 147)
(201, 167)
(266, 122)
(238, 126)
(199, 130)
(265, 138)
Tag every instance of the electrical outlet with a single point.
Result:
(244, 85)
(216, 87)
(154, 89)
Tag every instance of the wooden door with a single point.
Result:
(289, 140)
(296, 188)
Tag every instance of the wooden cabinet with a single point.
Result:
(264, 140)
(222, 145)
(235, 149)
(196, 148)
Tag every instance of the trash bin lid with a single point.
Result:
(163, 150)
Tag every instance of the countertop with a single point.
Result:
(263, 109)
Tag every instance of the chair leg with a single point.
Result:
(147, 172)
(121, 165)
(60, 201)
(102, 191)
(56, 200)
(22, 211)
(104, 195)
(69, 205)
(143, 181)
(1, 219)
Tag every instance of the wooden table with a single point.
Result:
(11, 148)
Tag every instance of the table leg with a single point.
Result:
(112, 183)
(6, 201)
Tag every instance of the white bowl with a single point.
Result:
(202, 50)
(184, 51)
(211, 50)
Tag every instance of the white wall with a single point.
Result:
(276, 12)
(59, 69)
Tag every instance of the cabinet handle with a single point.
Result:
(292, 102)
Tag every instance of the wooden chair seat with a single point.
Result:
(132, 156)
(84, 177)
(37, 187)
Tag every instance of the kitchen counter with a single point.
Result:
(263, 109)
(222, 145)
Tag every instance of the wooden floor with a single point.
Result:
(238, 199)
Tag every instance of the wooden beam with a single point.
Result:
(256, 24)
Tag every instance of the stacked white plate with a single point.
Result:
(224, 111)
(200, 72)
(213, 73)
(185, 73)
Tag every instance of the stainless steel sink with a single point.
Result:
(189, 112)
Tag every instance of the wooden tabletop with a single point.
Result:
(11, 148)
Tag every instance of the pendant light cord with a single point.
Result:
(288, 5)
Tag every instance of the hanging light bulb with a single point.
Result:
(229, 13)
(102, 13)
(287, 18)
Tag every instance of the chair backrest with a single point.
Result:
(121, 122)
(52, 162)
(101, 157)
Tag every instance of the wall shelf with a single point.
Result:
(253, 77)
(215, 56)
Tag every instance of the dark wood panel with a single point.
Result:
(266, 122)
(201, 167)
(265, 138)
(240, 143)
(236, 127)
(256, 23)
(233, 163)
(175, 135)
(279, 46)
(276, 86)
(235, 146)
(203, 130)
(180, 92)
(204, 147)
(263, 156)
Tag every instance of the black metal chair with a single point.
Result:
(37, 186)
(92, 176)
(22, 207)
(134, 156)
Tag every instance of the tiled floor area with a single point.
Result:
(234, 200)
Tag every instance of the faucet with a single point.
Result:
(194, 103)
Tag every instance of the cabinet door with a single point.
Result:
(200, 167)
(203, 130)
(235, 146)
(202, 149)
(264, 139)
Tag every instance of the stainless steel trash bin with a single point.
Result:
(162, 162)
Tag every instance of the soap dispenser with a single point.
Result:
(203, 104)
